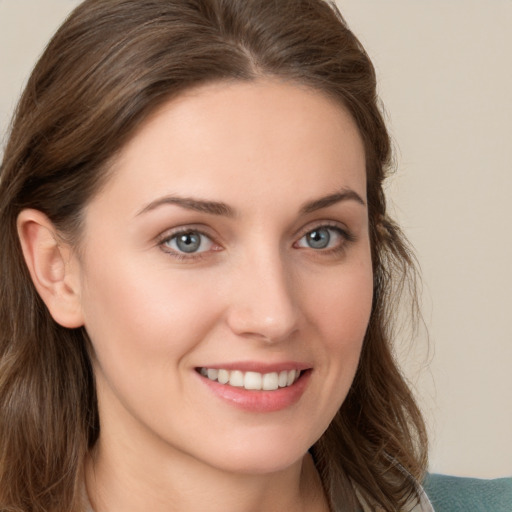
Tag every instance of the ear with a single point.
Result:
(53, 267)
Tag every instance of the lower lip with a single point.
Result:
(259, 401)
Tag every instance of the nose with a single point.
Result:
(263, 299)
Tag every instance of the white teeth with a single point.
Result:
(213, 374)
(270, 381)
(223, 377)
(236, 379)
(252, 380)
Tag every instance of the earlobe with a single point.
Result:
(52, 267)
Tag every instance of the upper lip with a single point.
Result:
(260, 367)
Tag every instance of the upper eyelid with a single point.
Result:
(322, 224)
(172, 232)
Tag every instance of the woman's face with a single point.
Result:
(231, 244)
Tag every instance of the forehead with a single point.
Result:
(255, 138)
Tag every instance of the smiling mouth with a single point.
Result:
(252, 381)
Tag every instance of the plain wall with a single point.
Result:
(445, 76)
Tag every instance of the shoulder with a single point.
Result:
(455, 494)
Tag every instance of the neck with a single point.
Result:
(118, 479)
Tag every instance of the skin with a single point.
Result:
(256, 292)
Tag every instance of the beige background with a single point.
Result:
(445, 77)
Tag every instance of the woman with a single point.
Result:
(198, 270)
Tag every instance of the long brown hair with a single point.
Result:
(110, 65)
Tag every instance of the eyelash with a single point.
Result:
(166, 238)
(346, 238)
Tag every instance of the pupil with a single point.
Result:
(319, 239)
(188, 242)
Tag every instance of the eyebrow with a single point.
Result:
(224, 210)
(326, 201)
(190, 203)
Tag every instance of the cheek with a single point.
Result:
(342, 308)
(143, 330)
(342, 305)
(339, 308)
(132, 312)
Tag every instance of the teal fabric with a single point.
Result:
(455, 494)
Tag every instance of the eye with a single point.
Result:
(188, 242)
(323, 237)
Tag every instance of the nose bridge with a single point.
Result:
(264, 304)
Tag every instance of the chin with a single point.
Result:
(265, 455)
(258, 464)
